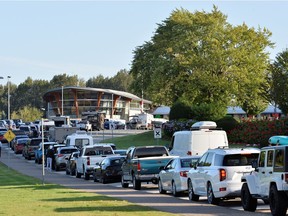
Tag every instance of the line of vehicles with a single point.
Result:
(197, 163)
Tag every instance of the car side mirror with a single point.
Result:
(254, 164)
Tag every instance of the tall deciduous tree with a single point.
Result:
(201, 58)
(121, 81)
(279, 72)
(66, 80)
(29, 94)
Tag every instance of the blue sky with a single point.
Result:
(42, 39)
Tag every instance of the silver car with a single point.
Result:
(173, 177)
(61, 156)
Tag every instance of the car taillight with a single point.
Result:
(222, 174)
(286, 178)
(189, 153)
(60, 155)
(183, 173)
(88, 160)
(138, 167)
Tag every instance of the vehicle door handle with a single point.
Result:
(263, 172)
(270, 172)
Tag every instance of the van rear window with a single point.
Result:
(239, 159)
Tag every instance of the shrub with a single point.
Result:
(254, 131)
(227, 123)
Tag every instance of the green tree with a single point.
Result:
(279, 73)
(29, 93)
(27, 114)
(66, 80)
(180, 110)
(99, 82)
(202, 58)
(121, 81)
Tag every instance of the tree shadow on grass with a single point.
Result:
(123, 208)
(81, 199)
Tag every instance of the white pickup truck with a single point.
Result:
(268, 182)
(88, 157)
(84, 125)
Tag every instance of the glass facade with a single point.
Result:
(77, 100)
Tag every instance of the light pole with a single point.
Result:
(8, 86)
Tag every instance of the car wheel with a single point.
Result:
(57, 168)
(86, 176)
(210, 195)
(192, 196)
(248, 202)
(123, 183)
(94, 177)
(72, 172)
(78, 175)
(136, 183)
(174, 189)
(160, 187)
(67, 172)
(277, 200)
(103, 180)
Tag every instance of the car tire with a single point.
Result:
(136, 183)
(277, 201)
(248, 202)
(103, 180)
(210, 195)
(94, 177)
(86, 176)
(192, 196)
(160, 187)
(123, 183)
(72, 172)
(174, 189)
(78, 175)
(67, 172)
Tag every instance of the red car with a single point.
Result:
(19, 145)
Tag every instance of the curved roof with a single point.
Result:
(109, 91)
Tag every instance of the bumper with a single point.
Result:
(148, 178)
(226, 190)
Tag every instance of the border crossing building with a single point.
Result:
(73, 101)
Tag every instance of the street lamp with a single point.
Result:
(8, 86)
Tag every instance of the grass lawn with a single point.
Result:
(23, 195)
(142, 139)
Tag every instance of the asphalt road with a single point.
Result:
(148, 196)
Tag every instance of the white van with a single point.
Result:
(79, 139)
(204, 135)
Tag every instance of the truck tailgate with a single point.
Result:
(151, 165)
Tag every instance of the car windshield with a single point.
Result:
(151, 152)
(188, 162)
(67, 151)
(98, 151)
